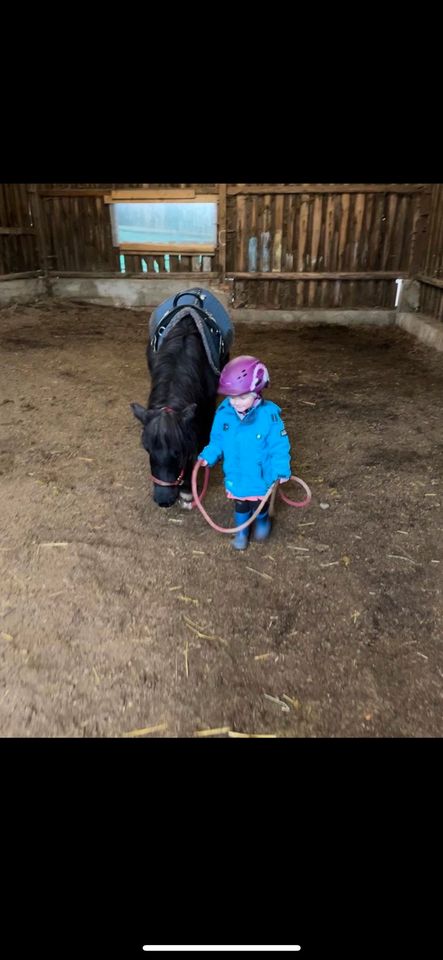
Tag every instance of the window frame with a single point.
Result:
(140, 196)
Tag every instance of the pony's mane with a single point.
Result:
(177, 378)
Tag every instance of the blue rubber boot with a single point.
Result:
(241, 539)
(262, 526)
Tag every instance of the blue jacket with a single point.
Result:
(256, 450)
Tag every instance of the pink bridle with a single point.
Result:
(170, 483)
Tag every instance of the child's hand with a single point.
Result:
(204, 463)
(284, 479)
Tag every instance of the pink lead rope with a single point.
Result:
(271, 493)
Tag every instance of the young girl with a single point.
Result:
(250, 435)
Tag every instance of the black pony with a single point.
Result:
(187, 349)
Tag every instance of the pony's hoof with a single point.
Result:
(185, 500)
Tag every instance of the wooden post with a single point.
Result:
(38, 218)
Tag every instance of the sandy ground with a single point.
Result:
(333, 628)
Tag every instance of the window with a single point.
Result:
(143, 221)
(174, 225)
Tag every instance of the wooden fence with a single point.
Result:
(431, 275)
(279, 245)
(18, 240)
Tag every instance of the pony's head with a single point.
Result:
(170, 439)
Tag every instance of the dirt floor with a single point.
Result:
(333, 628)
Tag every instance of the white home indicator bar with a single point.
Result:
(280, 949)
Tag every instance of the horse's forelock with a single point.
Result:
(168, 431)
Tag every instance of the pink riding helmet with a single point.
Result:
(243, 375)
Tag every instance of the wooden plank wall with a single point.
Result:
(286, 245)
(89, 247)
(18, 243)
(431, 272)
(332, 229)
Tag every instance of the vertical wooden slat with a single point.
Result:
(437, 237)
(286, 248)
(336, 231)
(259, 232)
(248, 232)
(350, 251)
(253, 237)
(65, 224)
(17, 220)
(337, 294)
(230, 234)
(387, 254)
(3, 263)
(98, 213)
(267, 245)
(382, 213)
(315, 242)
(132, 263)
(402, 235)
(91, 225)
(296, 204)
(75, 237)
(438, 264)
(343, 232)
(328, 242)
(309, 227)
(366, 231)
(431, 250)
(302, 236)
(329, 229)
(222, 235)
(376, 239)
(77, 231)
(9, 210)
(4, 267)
(52, 211)
(437, 249)
(96, 237)
(278, 233)
(358, 221)
(3, 222)
(362, 200)
(278, 295)
(240, 238)
(290, 223)
(40, 226)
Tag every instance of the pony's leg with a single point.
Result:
(185, 494)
